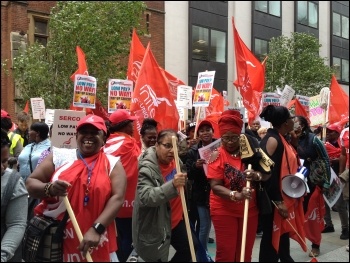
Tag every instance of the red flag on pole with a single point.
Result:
(26, 107)
(82, 67)
(338, 102)
(250, 76)
(152, 98)
(137, 52)
(298, 109)
(314, 223)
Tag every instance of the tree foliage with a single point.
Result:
(102, 29)
(295, 62)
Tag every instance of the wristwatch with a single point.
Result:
(99, 228)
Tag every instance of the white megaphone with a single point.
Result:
(295, 185)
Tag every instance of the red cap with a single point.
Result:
(335, 127)
(230, 120)
(205, 122)
(121, 115)
(94, 120)
(4, 114)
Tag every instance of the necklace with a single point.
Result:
(235, 154)
(90, 168)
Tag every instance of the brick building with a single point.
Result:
(23, 22)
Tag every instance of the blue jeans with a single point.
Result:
(204, 226)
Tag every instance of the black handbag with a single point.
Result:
(263, 200)
(43, 239)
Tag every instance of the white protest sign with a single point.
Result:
(84, 91)
(180, 110)
(287, 95)
(332, 195)
(270, 98)
(64, 129)
(49, 116)
(204, 87)
(38, 108)
(184, 97)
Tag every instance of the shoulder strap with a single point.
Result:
(30, 158)
(8, 192)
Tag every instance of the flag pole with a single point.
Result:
(197, 120)
(245, 221)
(183, 201)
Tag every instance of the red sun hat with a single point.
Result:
(94, 120)
(121, 115)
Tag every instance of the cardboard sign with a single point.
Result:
(316, 113)
(64, 129)
(38, 108)
(184, 97)
(287, 95)
(84, 91)
(204, 87)
(49, 116)
(119, 94)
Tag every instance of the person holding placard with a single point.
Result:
(201, 187)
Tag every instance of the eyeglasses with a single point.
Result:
(167, 146)
(228, 139)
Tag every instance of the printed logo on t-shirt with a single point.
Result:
(170, 176)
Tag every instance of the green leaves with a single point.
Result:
(102, 29)
(295, 61)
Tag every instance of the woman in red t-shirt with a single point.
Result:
(227, 176)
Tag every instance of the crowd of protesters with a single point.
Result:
(126, 194)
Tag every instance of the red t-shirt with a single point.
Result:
(168, 172)
(230, 170)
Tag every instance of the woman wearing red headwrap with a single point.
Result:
(227, 175)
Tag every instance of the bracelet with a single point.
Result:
(232, 195)
(47, 189)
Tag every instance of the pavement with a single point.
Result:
(332, 248)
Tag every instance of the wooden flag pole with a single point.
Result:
(75, 225)
(245, 221)
(197, 120)
(183, 201)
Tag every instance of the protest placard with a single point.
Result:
(84, 91)
(203, 90)
(38, 108)
(119, 94)
(64, 129)
(206, 151)
(184, 97)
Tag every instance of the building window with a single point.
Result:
(261, 48)
(41, 33)
(340, 26)
(269, 7)
(341, 67)
(208, 44)
(147, 23)
(307, 13)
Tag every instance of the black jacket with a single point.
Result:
(201, 186)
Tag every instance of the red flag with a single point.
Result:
(295, 222)
(82, 67)
(299, 109)
(216, 103)
(314, 223)
(99, 110)
(26, 107)
(152, 98)
(137, 52)
(338, 102)
(250, 75)
(173, 82)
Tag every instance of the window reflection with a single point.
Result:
(341, 67)
(270, 7)
(313, 16)
(203, 49)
